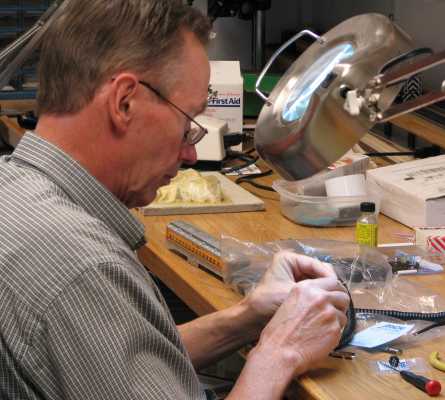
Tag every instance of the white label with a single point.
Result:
(380, 334)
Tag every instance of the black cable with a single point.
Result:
(257, 185)
(238, 167)
(348, 331)
(232, 155)
(427, 328)
(389, 153)
(228, 380)
(249, 179)
(423, 152)
(437, 318)
(411, 54)
(233, 139)
(404, 315)
(253, 176)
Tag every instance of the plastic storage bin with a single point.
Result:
(320, 210)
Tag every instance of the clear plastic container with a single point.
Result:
(320, 210)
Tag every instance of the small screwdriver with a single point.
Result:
(429, 386)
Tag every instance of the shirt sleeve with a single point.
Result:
(108, 337)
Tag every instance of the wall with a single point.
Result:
(234, 36)
(423, 20)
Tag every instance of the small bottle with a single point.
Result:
(366, 228)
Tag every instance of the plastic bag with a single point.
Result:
(365, 271)
(358, 267)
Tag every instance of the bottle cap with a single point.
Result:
(367, 207)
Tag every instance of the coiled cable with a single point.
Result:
(404, 315)
(437, 318)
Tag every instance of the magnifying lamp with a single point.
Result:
(20, 50)
(330, 97)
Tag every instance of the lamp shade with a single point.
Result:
(303, 127)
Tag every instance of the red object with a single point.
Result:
(436, 243)
(423, 383)
(433, 388)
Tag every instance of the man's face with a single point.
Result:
(160, 148)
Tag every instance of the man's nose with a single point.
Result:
(188, 154)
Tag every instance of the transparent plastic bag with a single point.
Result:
(358, 267)
(365, 271)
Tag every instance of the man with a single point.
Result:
(120, 82)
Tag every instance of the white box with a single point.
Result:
(226, 94)
(211, 146)
(413, 192)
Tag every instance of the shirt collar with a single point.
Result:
(84, 189)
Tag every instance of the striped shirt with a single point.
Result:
(80, 317)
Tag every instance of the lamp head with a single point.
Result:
(303, 126)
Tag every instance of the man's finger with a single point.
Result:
(340, 300)
(326, 283)
(335, 291)
(308, 267)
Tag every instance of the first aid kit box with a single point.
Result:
(226, 94)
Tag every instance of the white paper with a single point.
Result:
(380, 334)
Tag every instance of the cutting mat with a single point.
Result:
(238, 199)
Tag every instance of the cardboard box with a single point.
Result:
(413, 192)
(226, 94)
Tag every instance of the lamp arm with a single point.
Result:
(392, 77)
(367, 99)
(277, 53)
(409, 106)
(26, 43)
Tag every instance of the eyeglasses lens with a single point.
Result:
(194, 135)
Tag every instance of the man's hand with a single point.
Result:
(286, 270)
(307, 326)
(304, 308)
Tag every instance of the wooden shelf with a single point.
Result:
(421, 127)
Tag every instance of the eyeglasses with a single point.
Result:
(195, 133)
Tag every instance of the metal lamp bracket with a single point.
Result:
(367, 99)
(320, 39)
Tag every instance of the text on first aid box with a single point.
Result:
(226, 94)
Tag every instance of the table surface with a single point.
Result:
(336, 378)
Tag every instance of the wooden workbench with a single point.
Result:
(203, 293)
(336, 379)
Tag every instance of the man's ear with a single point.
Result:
(121, 98)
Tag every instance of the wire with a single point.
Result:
(428, 327)
(249, 179)
(233, 139)
(406, 56)
(228, 380)
(405, 315)
(232, 155)
(348, 331)
(423, 152)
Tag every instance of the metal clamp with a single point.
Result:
(376, 85)
(320, 39)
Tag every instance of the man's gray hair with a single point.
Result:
(94, 39)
